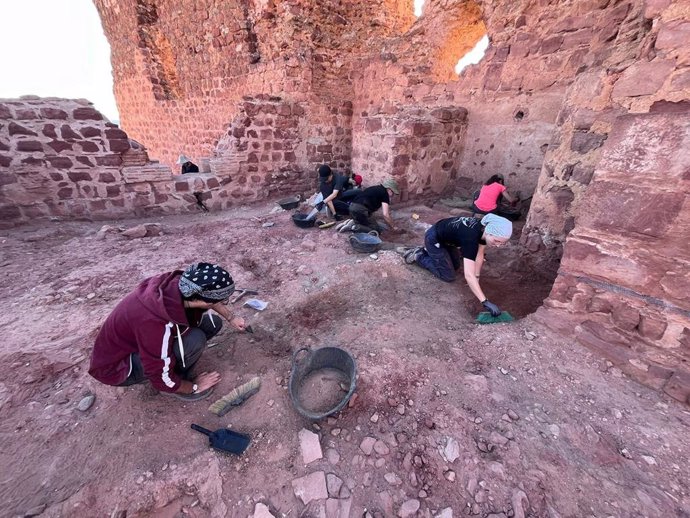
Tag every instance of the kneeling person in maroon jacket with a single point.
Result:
(159, 331)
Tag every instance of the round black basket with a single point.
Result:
(290, 203)
(366, 243)
(303, 221)
(318, 359)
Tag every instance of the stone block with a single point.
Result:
(5, 112)
(583, 142)
(109, 160)
(59, 145)
(625, 316)
(29, 146)
(673, 35)
(652, 326)
(678, 386)
(87, 113)
(79, 176)
(90, 131)
(119, 145)
(150, 173)
(551, 45)
(89, 147)
(113, 191)
(49, 131)
(18, 129)
(373, 125)
(5, 161)
(65, 193)
(106, 178)
(53, 113)
(310, 487)
(419, 129)
(643, 78)
(115, 134)
(60, 162)
(85, 161)
(309, 446)
(25, 114)
(68, 133)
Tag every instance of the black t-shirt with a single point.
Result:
(373, 197)
(463, 232)
(339, 183)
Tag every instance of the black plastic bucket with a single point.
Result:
(320, 359)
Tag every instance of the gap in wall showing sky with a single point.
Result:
(55, 48)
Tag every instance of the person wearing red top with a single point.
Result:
(490, 196)
(159, 332)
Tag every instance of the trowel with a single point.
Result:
(225, 440)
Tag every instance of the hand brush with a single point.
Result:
(485, 318)
(235, 397)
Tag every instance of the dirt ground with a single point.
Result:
(540, 426)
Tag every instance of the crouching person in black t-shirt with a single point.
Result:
(369, 201)
(440, 254)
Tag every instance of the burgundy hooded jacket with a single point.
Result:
(147, 322)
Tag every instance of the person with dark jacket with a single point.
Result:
(332, 187)
(187, 165)
(369, 201)
(440, 254)
(159, 332)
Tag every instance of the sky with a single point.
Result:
(55, 48)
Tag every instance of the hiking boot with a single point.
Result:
(190, 397)
(412, 255)
(402, 250)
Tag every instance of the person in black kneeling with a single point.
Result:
(369, 201)
(449, 237)
(187, 165)
(332, 187)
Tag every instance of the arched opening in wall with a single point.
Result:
(461, 40)
(474, 56)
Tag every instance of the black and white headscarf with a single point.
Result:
(207, 281)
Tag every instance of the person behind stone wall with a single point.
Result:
(490, 199)
(366, 203)
(440, 254)
(159, 332)
(187, 165)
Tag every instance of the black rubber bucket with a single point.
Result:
(366, 243)
(324, 359)
(290, 203)
(303, 221)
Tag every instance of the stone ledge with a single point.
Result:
(149, 173)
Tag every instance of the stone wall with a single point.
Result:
(624, 275)
(61, 158)
(421, 148)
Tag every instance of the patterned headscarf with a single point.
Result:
(497, 226)
(208, 281)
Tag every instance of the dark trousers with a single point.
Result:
(364, 217)
(441, 260)
(194, 342)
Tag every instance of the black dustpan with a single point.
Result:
(225, 440)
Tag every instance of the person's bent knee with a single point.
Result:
(447, 276)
